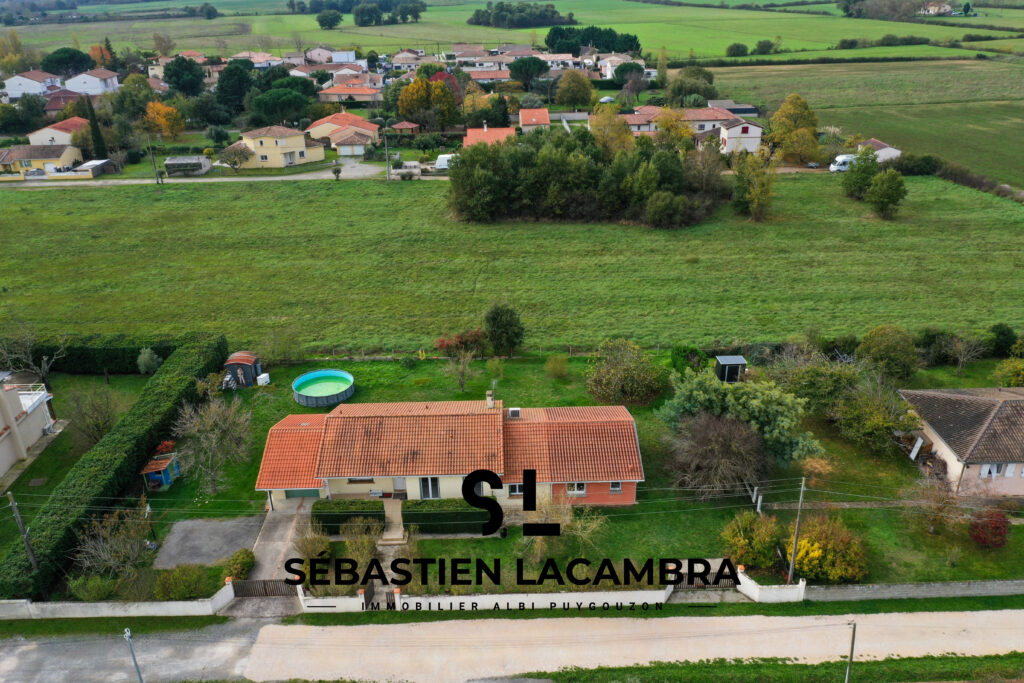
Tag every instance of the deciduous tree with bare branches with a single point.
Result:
(91, 414)
(963, 350)
(460, 366)
(716, 453)
(211, 435)
(114, 545)
(19, 350)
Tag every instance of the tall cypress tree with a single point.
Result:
(99, 145)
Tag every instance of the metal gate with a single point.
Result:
(264, 588)
(368, 592)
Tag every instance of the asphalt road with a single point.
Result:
(461, 650)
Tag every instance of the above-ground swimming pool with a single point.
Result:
(323, 388)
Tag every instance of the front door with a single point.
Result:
(399, 484)
(430, 487)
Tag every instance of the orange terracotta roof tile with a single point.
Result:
(490, 135)
(534, 117)
(342, 119)
(289, 458)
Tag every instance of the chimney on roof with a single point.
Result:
(490, 398)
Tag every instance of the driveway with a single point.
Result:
(462, 650)
(274, 544)
(204, 541)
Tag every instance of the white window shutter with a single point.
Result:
(984, 471)
(1010, 469)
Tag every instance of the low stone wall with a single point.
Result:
(707, 596)
(758, 593)
(938, 589)
(27, 609)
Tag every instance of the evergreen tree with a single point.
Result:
(99, 145)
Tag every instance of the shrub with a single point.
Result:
(148, 361)
(736, 50)
(751, 539)
(504, 329)
(557, 366)
(444, 516)
(664, 210)
(774, 414)
(892, 349)
(870, 414)
(621, 372)
(470, 340)
(1017, 350)
(857, 179)
(240, 564)
(989, 528)
(186, 582)
(885, 193)
(933, 344)
(914, 164)
(1002, 339)
(1010, 373)
(964, 176)
(711, 454)
(683, 357)
(408, 362)
(331, 514)
(93, 588)
(103, 472)
(828, 551)
(820, 381)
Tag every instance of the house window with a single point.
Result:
(700, 126)
(997, 469)
(745, 129)
(264, 157)
(515, 489)
(25, 163)
(430, 488)
(615, 487)
(261, 143)
(576, 488)
(302, 154)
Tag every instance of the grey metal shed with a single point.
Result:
(730, 368)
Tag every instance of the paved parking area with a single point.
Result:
(204, 541)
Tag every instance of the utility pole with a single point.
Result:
(387, 156)
(131, 648)
(24, 532)
(156, 174)
(853, 639)
(796, 532)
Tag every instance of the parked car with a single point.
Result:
(842, 163)
(443, 160)
(813, 164)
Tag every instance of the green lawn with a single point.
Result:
(704, 31)
(392, 270)
(945, 668)
(49, 628)
(856, 98)
(53, 464)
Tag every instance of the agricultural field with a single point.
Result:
(362, 265)
(1014, 45)
(993, 16)
(896, 108)
(700, 31)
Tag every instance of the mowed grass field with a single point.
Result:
(704, 32)
(920, 107)
(359, 265)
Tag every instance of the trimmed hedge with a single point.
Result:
(331, 514)
(106, 469)
(95, 354)
(444, 516)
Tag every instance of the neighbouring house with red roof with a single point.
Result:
(343, 123)
(56, 100)
(532, 119)
(58, 133)
(582, 455)
(976, 437)
(487, 135)
(350, 93)
(94, 82)
(158, 86)
(490, 75)
(733, 135)
(883, 150)
(34, 82)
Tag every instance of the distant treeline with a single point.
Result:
(519, 15)
(561, 40)
(812, 60)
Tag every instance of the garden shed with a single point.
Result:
(241, 370)
(160, 472)
(730, 368)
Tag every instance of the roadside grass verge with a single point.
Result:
(47, 628)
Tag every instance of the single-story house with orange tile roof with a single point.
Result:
(345, 93)
(531, 119)
(49, 158)
(58, 133)
(322, 129)
(487, 135)
(582, 455)
(490, 75)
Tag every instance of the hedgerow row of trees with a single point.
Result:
(561, 39)
(519, 15)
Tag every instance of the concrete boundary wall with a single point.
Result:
(27, 609)
(758, 593)
(938, 589)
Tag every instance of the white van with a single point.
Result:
(842, 163)
(442, 161)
